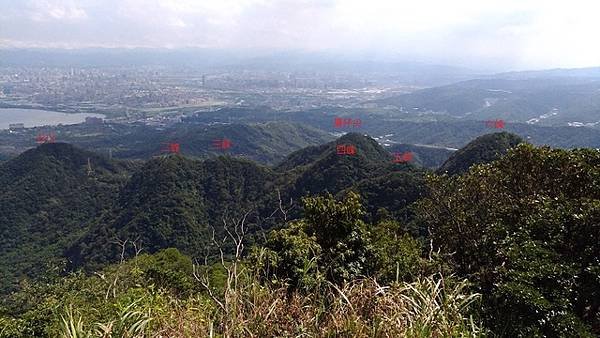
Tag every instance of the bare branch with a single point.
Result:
(123, 245)
(113, 286)
(218, 245)
(284, 212)
(205, 282)
(135, 247)
(231, 291)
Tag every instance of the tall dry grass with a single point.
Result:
(363, 308)
(247, 307)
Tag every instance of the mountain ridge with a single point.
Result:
(176, 201)
(47, 197)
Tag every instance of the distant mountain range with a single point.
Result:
(589, 72)
(538, 101)
(267, 143)
(253, 134)
(393, 126)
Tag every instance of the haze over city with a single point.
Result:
(496, 35)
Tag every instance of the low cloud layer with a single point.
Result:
(502, 33)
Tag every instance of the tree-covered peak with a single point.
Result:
(61, 155)
(352, 147)
(483, 149)
(367, 148)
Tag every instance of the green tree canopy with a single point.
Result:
(526, 230)
(333, 242)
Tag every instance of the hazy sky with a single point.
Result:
(509, 33)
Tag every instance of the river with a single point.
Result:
(36, 117)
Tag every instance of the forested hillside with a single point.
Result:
(176, 202)
(323, 244)
(71, 214)
(525, 230)
(266, 143)
(48, 196)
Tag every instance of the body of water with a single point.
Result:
(35, 117)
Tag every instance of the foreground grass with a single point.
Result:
(363, 308)
(165, 295)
